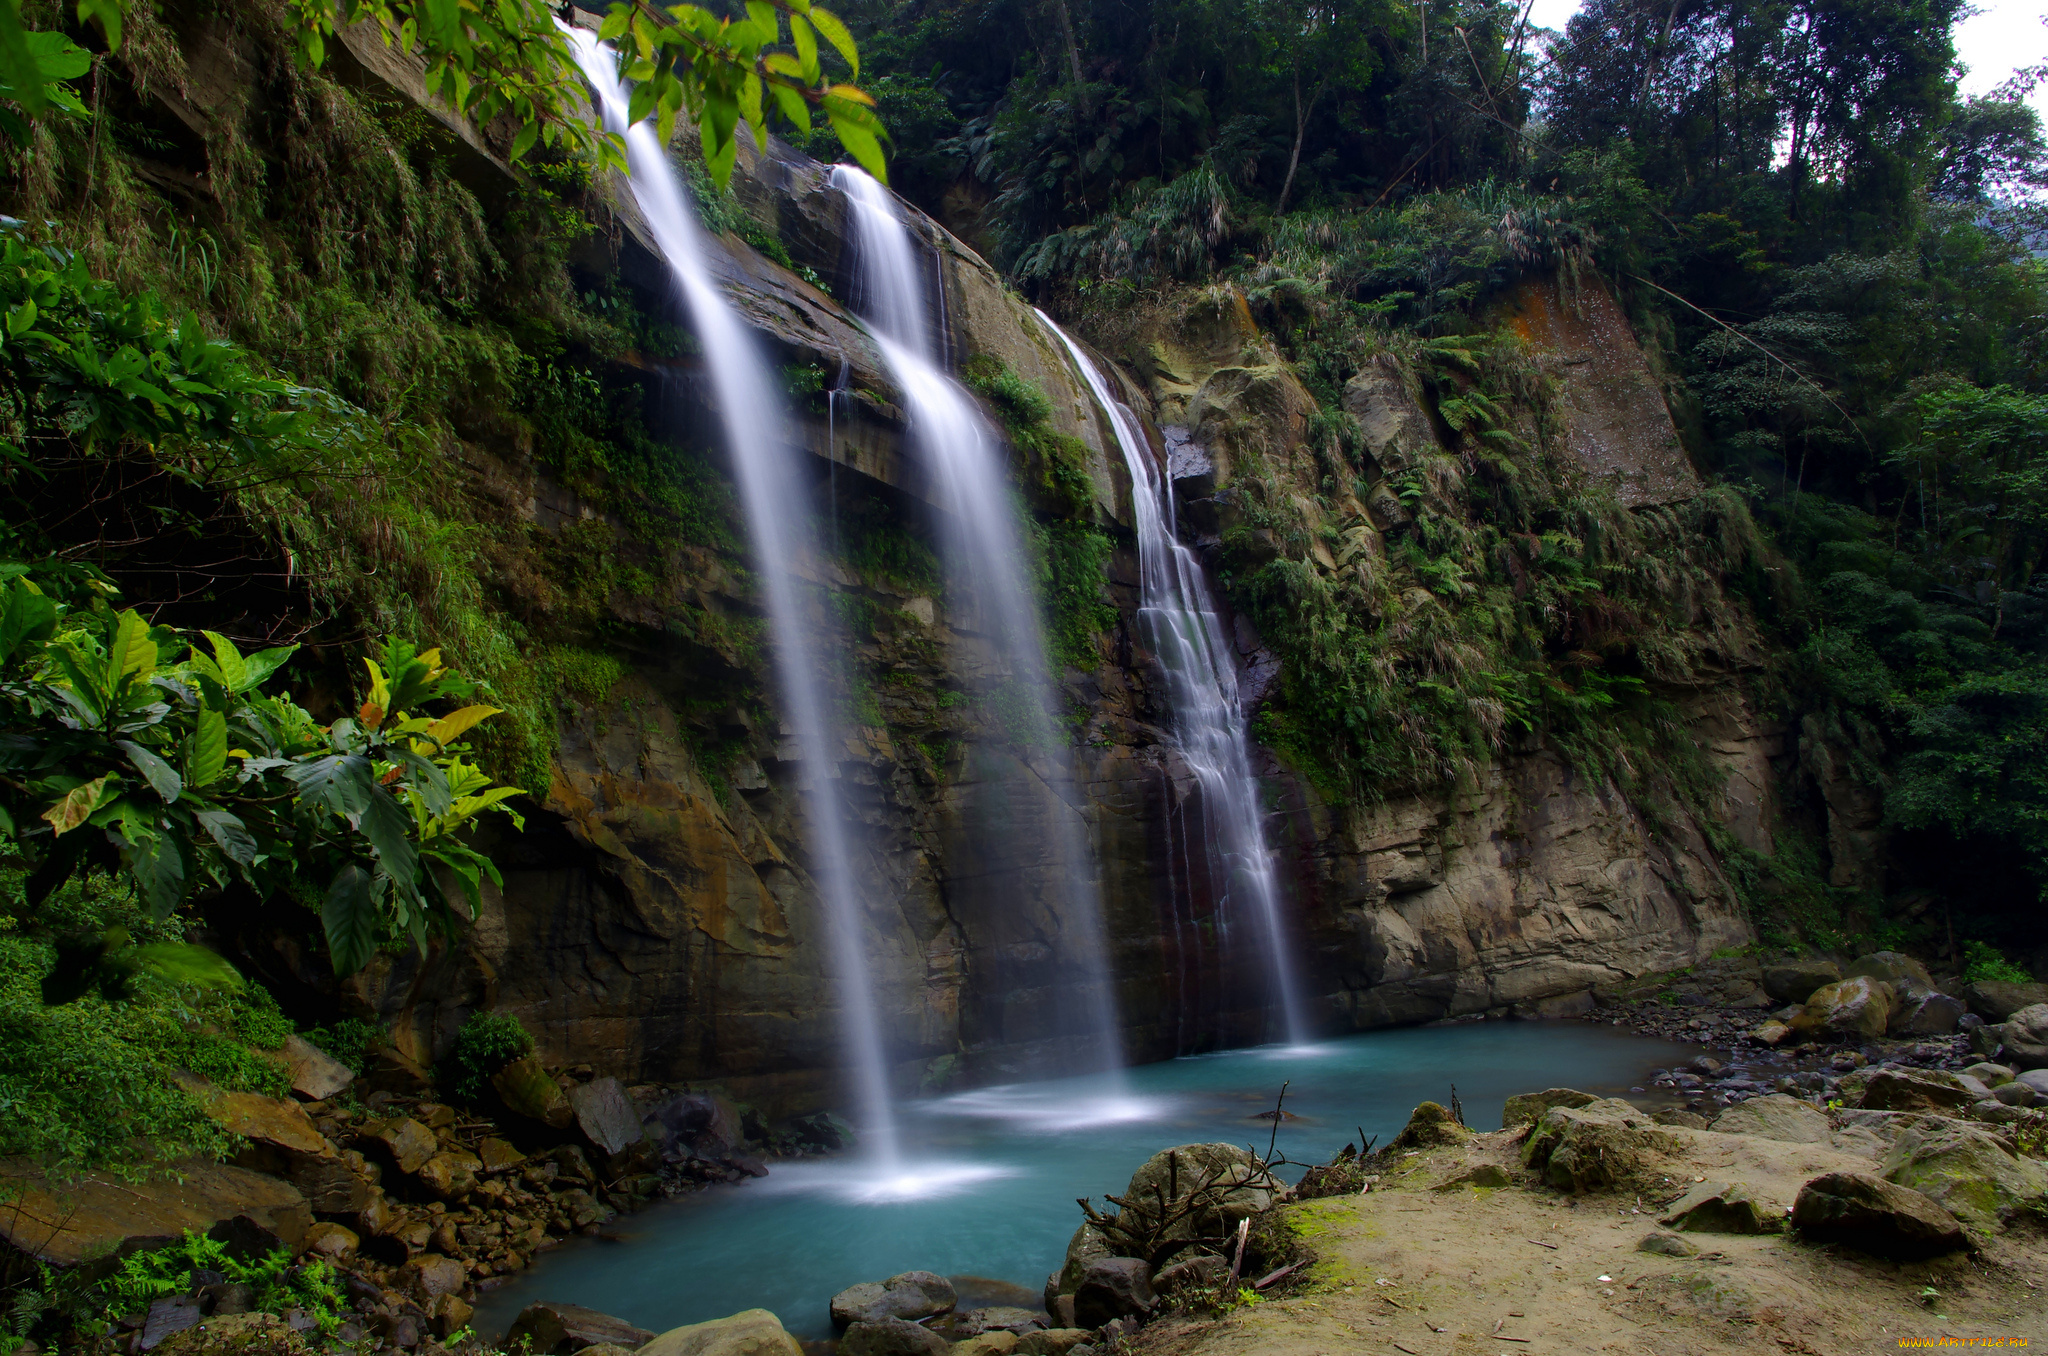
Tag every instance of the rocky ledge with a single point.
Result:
(413, 1204)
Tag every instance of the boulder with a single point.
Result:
(449, 1313)
(1858, 1008)
(2025, 1037)
(1085, 1246)
(2016, 1093)
(2037, 1079)
(997, 1342)
(1605, 1143)
(316, 1075)
(1113, 1288)
(1052, 1342)
(1892, 967)
(1721, 1208)
(1772, 1032)
(1997, 1002)
(1925, 1012)
(1904, 1089)
(330, 1241)
(1991, 1075)
(554, 1329)
(911, 1295)
(754, 1332)
(605, 1115)
(98, 1214)
(1528, 1107)
(1775, 1117)
(432, 1274)
(1875, 1216)
(497, 1155)
(891, 1337)
(1968, 1171)
(404, 1142)
(171, 1314)
(526, 1090)
(998, 1318)
(1429, 1126)
(1668, 1245)
(450, 1174)
(1679, 1116)
(237, 1335)
(281, 1140)
(1795, 981)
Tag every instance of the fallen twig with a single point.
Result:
(1273, 1276)
(1541, 1244)
(1244, 1232)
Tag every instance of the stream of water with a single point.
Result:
(792, 1240)
(1179, 620)
(764, 461)
(988, 590)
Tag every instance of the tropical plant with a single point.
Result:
(183, 776)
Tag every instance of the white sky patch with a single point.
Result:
(2000, 36)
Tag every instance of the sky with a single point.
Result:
(2001, 35)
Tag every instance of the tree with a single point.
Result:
(509, 57)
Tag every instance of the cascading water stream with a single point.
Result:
(764, 461)
(1179, 617)
(983, 542)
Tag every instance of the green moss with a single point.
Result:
(1058, 460)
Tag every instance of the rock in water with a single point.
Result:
(1526, 1107)
(553, 1329)
(1668, 1245)
(1967, 1171)
(1775, 1117)
(891, 1337)
(1795, 981)
(1113, 1288)
(755, 1332)
(1875, 1216)
(911, 1295)
(1721, 1208)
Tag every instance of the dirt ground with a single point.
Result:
(1429, 1269)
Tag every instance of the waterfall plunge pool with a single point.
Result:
(992, 1174)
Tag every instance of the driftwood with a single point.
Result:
(1172, 1220)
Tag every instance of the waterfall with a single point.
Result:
(1178, 615)
(983, 545)
(765, 462)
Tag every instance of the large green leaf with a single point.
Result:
(231, 834)
(389, 830)
(206, 748)
(350, 920)
(162, 777)
(28, 617)
(340, 782)
(159, 871)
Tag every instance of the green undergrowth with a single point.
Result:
(90, 1040)
(60, 1307)
(1057, 461)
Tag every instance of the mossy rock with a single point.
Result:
(1430, 1127)
(1527, 1108)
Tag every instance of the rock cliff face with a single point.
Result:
(659, 920)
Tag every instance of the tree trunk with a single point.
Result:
(1301, 114)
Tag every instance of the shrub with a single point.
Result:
(349, 1041)
(487, 1042)
(1984, 963)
